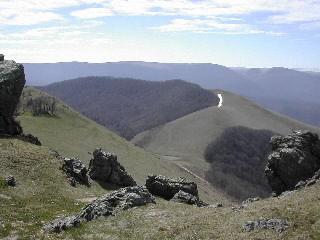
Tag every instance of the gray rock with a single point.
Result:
(309, 181)
(107, 205)
(277, 225)
(188, 198)
(123, 198)
(61, 224)
(104, 167)
(11, 181)
(76, 171)
(295, 158)
(12, 81)
(251, 200)
(168, 187)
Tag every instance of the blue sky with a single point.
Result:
(234, 33)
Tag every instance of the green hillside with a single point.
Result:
(188, 138)
(129, 106)
(190, 135)
(42, 194)
(74, 135)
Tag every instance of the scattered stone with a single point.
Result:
(215, 205)
(168, 187)
(76, 171)
(12, 81)
(188, 198)
(251, 200)
(239, 208)
(277, 225)
(108, 205)
(61, 224)
(295, 158)
(105, 167)
(11, 181)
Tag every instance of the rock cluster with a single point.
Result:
(277, 225)
(76, 171)
(168, 187)
(12, 81)
(107, 205)
(105, 168)
(295, 158)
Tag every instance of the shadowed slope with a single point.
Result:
(129, 106)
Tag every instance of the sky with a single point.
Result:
(233, 33)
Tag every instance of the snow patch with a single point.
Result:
(221, 100)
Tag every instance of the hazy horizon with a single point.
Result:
(253, 34)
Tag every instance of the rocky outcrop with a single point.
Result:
(107, 205)
(104, 167)
(76, 171)
(12, 81)
(295, 158)
(168, 187)
(277, 225)
(310, 181)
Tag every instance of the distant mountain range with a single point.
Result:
(290, 92)
(129, 106)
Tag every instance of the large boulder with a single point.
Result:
(104, 167)
(295, 158)
(12, 81)
(76, 171)
(107, 205)
(168, 187)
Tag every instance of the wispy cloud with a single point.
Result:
(209, 26)
(91, 13)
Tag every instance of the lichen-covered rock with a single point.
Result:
(295, 158)
(168, 187)
(60, 224)
(104, 167)
(123, 198)
(107, 205)
(76, 171)
(188, 198)
(277, 225)
(12, 81)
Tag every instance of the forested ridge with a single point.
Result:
(238, 159)
(129, 106)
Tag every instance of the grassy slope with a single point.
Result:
(43, 194)
(189, 136)
(74, 135)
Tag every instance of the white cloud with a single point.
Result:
(92, 13)
(11, 17)
(209, 26)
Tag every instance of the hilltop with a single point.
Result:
(187, 139)
(129, 106)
